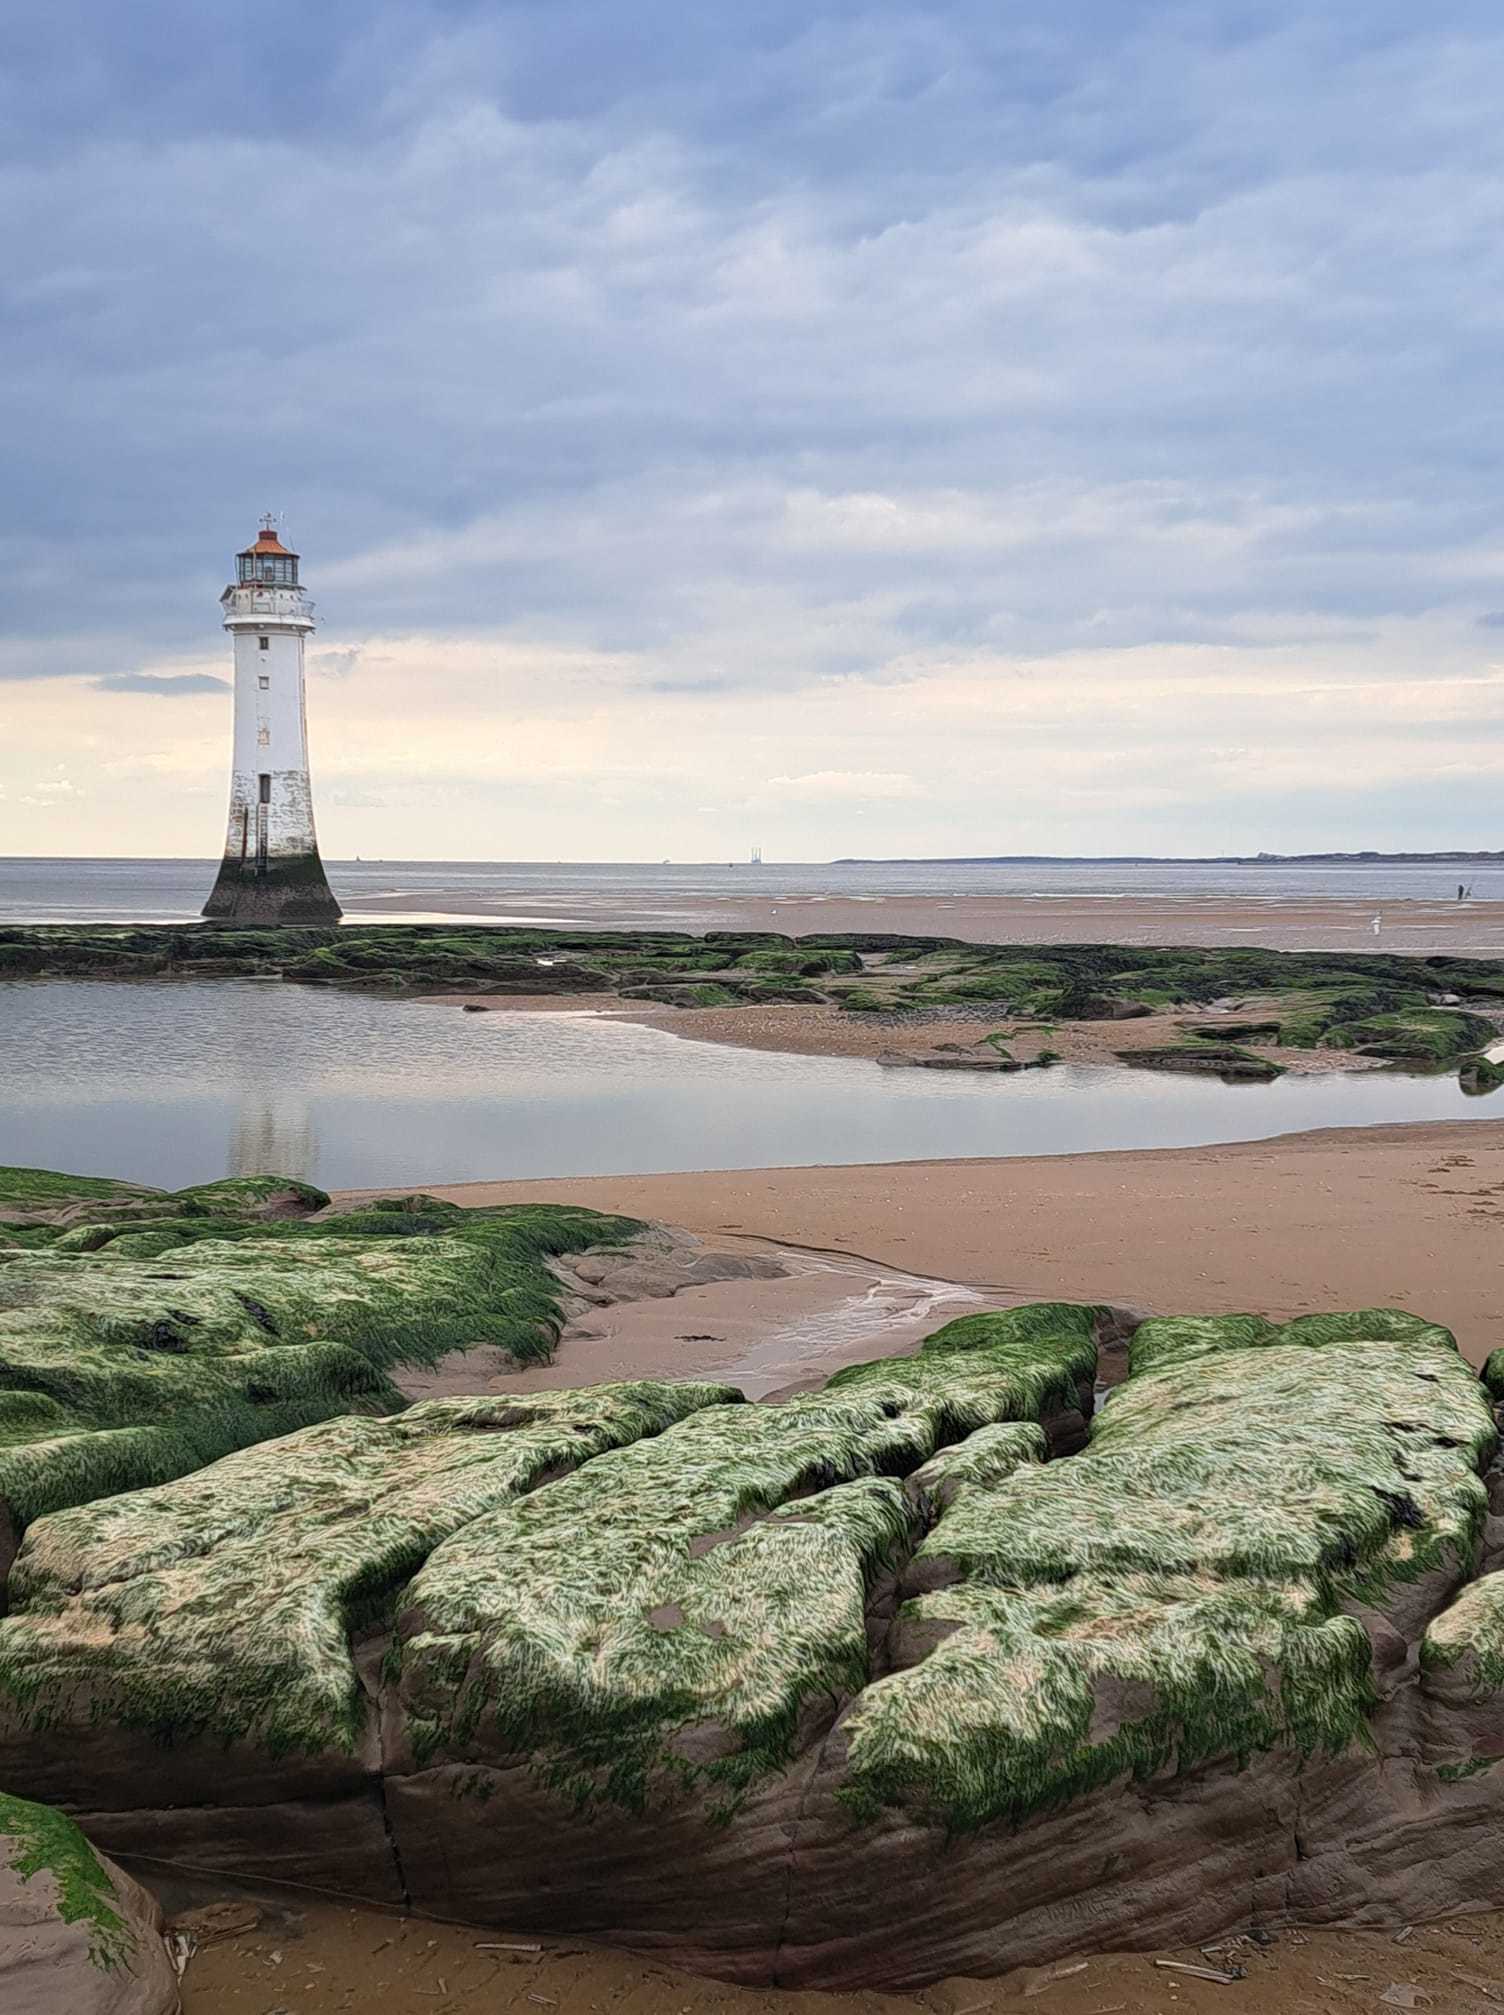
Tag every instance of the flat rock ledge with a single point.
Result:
(651, 1664)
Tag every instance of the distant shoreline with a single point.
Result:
(1365, 859)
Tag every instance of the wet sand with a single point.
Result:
(799, 1030)
(1316, 923)
(769, 1337)
(1407, 1216)
(325, 1959)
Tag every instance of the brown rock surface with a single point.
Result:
(77, 1935)
(731, 1688)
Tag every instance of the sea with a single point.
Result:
(703, 895)
(178, 1083)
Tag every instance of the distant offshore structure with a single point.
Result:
(271, 872)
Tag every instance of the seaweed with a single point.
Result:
(675, 1611)
(36, 1840)
(1182, 1591)
(136, 1349)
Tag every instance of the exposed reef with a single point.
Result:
(144, 1334)
(1426, 1013)
(651, 1663)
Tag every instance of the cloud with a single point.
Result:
(334, 664)
(658, 399)
(51, 789)
(166, 686)
(843, 786)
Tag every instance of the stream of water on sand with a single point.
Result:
(178, 1083)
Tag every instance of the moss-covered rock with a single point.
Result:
(1186, 1588)
(1470, 1634)
(1414, 1035)
(251, 1196)
(1478, 1076)
(664, 1666)
(45, 1189)
(681, 1608)
(139, 1351)
(1228, 1061)
(1412, 1011)
(222, 1607)
(683, 994)
(76, 1934)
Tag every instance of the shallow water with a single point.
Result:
(694, 895)
(172, 1084)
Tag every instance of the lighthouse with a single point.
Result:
(271, 872)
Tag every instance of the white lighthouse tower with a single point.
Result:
(271, 872)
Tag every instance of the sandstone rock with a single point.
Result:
(728, 1684)
(242, 1608)
(77, 1935)
(136, 1348)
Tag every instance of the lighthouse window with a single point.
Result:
(266, 788)
(264, 681)
(265, 643)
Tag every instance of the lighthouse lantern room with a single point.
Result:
(271, 872)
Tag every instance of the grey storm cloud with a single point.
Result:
(782, 340)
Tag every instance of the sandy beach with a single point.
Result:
(1405, 1216)
(1317, 923)
(799, 1030)
(1401, 1215)
(324, 1959)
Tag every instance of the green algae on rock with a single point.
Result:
(656, 1664)
(1471, 1633)
(36, 1840)
(1187, 1588)
(681, 1607)
(135, 1351)
(1410, 1010)
(224, 1604)
(45, 1189)
(77, 1935)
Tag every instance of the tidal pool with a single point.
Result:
(173, 1083)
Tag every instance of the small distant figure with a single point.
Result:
(1459, 892)
(1378, 922)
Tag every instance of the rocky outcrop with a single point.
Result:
(950, 1057)
(245, 1610)
(144, 1335)
(77, 1935)
(658, 1263)
(1227, 1061)
(723, 1680)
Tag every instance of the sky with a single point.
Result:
(1065, 426)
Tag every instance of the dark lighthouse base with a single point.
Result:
(294, 890)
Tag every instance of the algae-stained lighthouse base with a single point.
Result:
(271, 872)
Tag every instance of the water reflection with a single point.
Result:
(174, 1084)
(273, 1132)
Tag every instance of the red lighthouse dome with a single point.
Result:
(268, 562)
